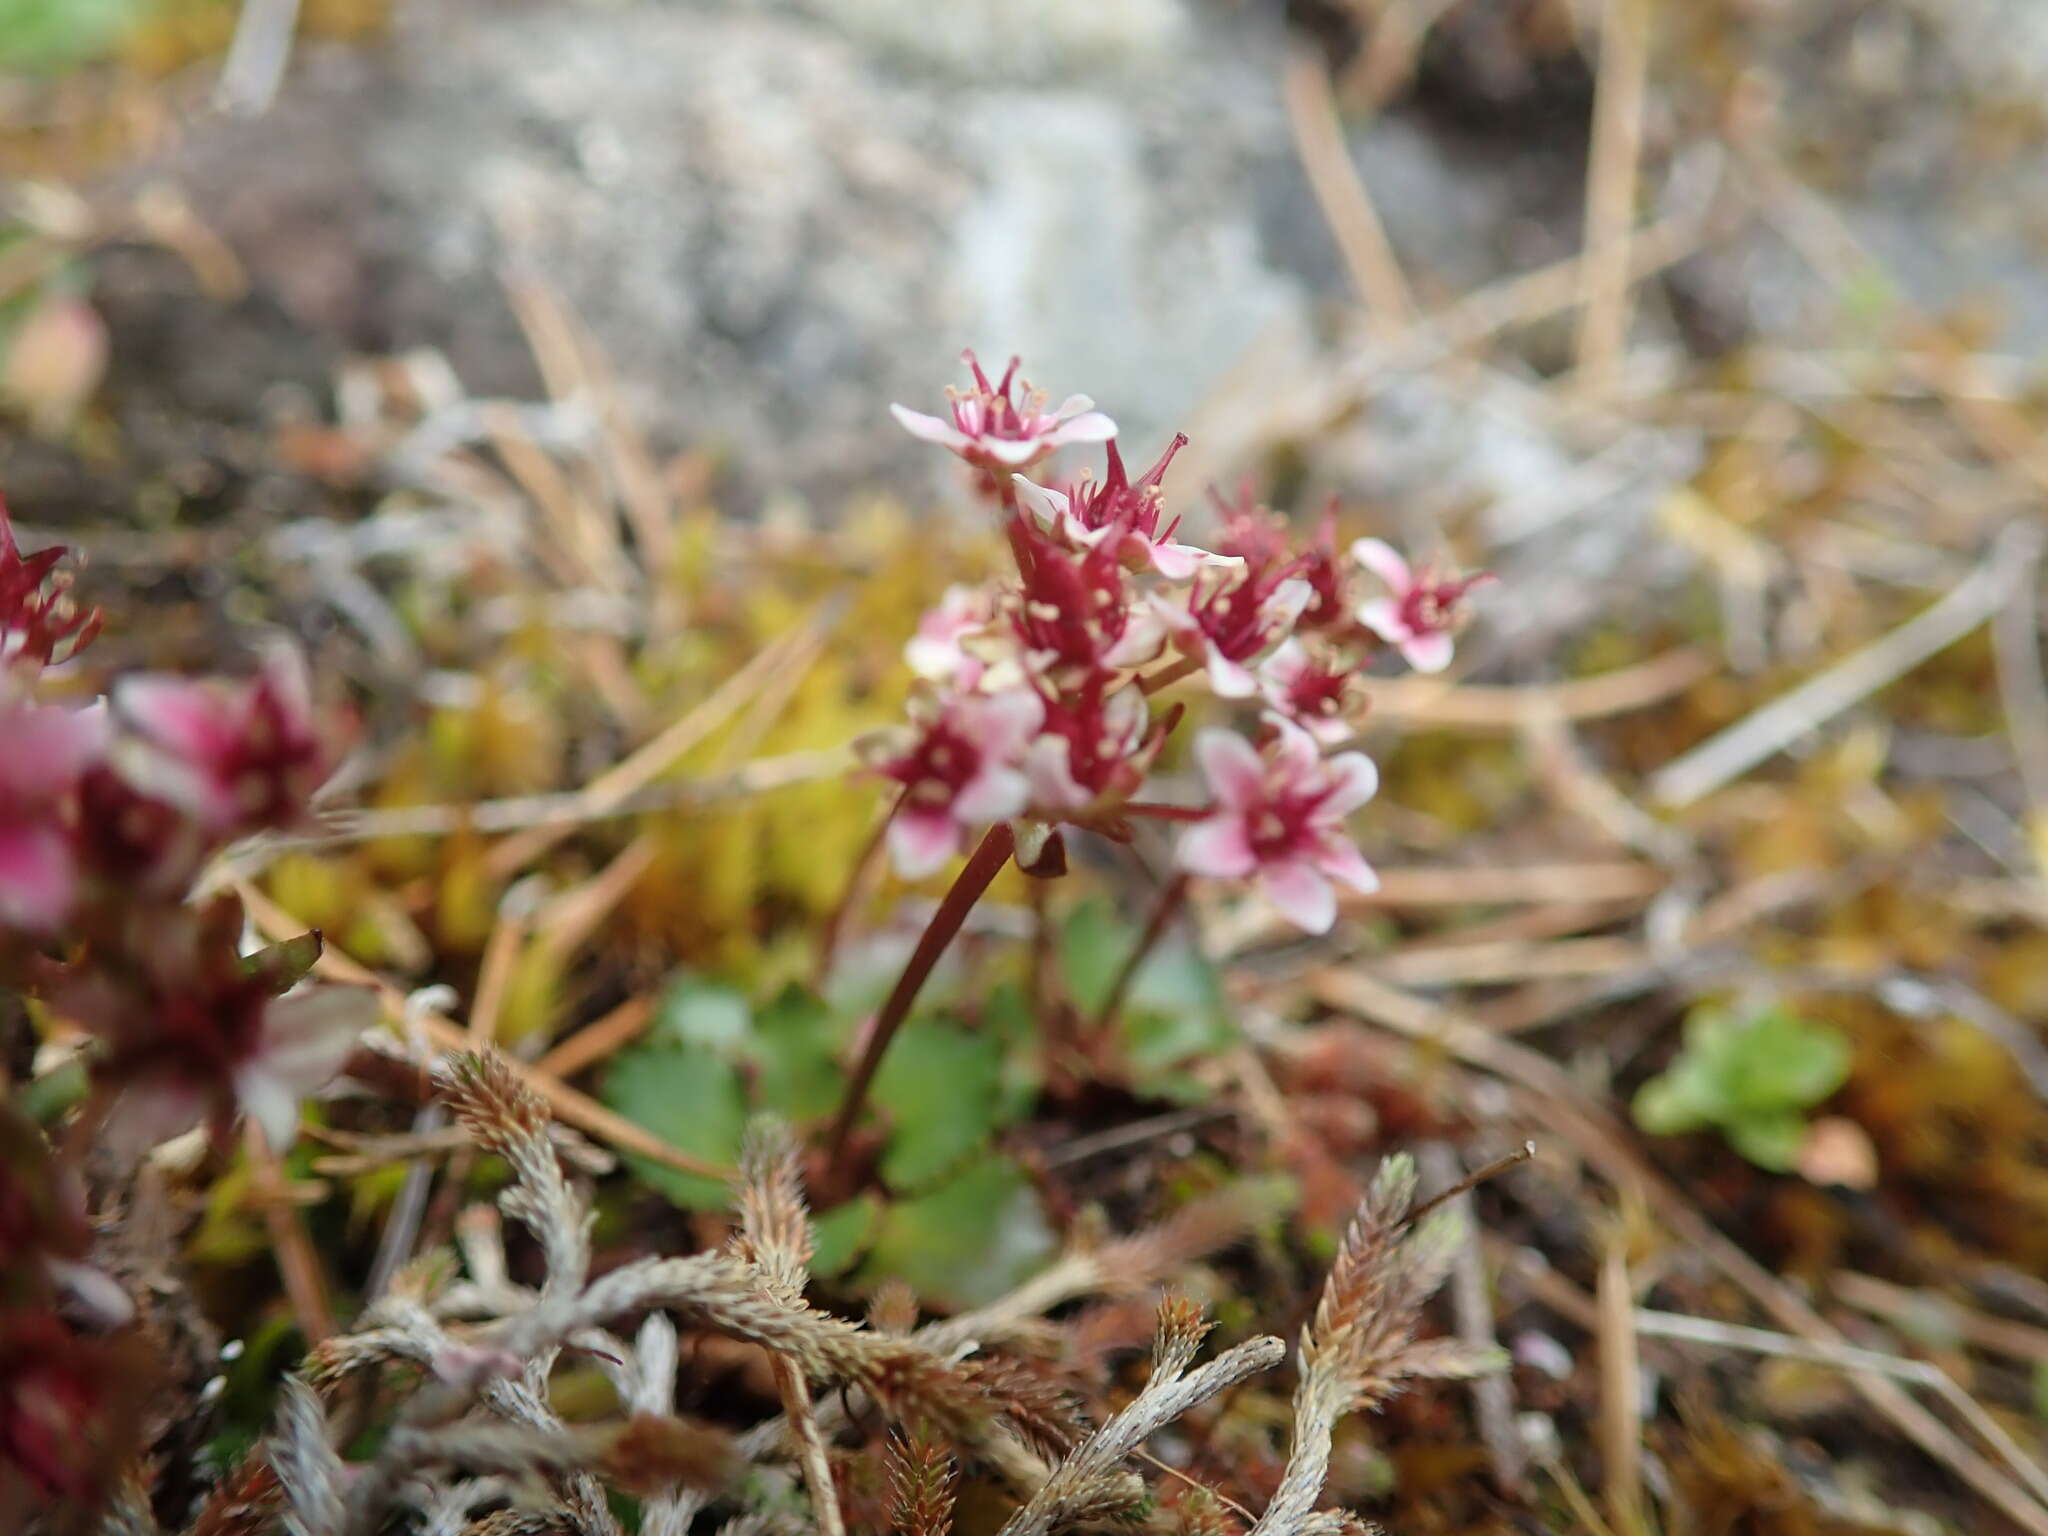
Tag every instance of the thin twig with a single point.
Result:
(1735, 750)
(1493, 1393)
(646, 764)
(811, 1457)
(257, 56)
(1341, 193)
(1621, 1389)
(1550, 1094)
(1164, 907)
(1846, 1357)
(297, 1262)
(2022, 689)
(1478, 707)
(569, 1106)
(1611, 188)
(597, 1040)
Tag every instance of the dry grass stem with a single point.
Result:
(1740, 747)
(1611, 179)
(1340, 191)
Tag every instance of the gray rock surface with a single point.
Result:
(775, 216)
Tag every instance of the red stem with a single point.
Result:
(856, 883)
(982, 866)
(1171, 895)
(1167, 676)
(1157, 812)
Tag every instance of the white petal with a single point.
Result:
(1383, 618)
(1048, 769)
(1006, 721)
(1341, 861)
(307, 1036)
(1228, 680)
(920, 842)
(150, 1113)
(1301, 893)
(1232, 769)
(1047, 506)
(1217, 848)
(269, 1101)
(931, 428)
(1015, 453)
(1381, 558)
(1428, 653)
(1089, 427)
(1073, 406)
(1144, 634)
(1357, 781)
(1176, 562)
(93, 1290)
(995, 794)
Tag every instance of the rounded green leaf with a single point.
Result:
(689, 1096)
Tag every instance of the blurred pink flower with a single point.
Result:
(936, 652)
(1422, 611)
(994, 430)
(55, 361)
(236, 756)
(1314, 691)
(1279, 820)
(37, 615)
(962, 770)
(44, 750)
(1093, 749)
(194, 1029)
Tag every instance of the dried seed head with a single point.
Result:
(1179, 1333)
(489, 1099)
(656, 1453)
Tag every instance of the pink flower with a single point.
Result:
(44, 751)
(1093, 749)
(57, 1392)
(1229, 622)
(936, 652)
(1279, 820)
(237, 757)
(194, 1029)
(994, 431)
(37, 615)
(1315, 692)
(1076, 611)
(1421, 612)
(1123, 512)
(963, 770)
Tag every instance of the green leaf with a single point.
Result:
(694, 1011)
(966, 1242)
(843, 1234)
(48, 34)
(939, 1085)
(794, 1052)
(1785, 1062)
(1769, 1140)
(1687, 1097)
(691, 1098)
(1093, 945)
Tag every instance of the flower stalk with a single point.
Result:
(981, 868)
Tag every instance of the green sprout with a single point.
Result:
(1752, 1076)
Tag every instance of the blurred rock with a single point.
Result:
(773, 220)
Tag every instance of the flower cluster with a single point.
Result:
(109, 807)
(1039, 701)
